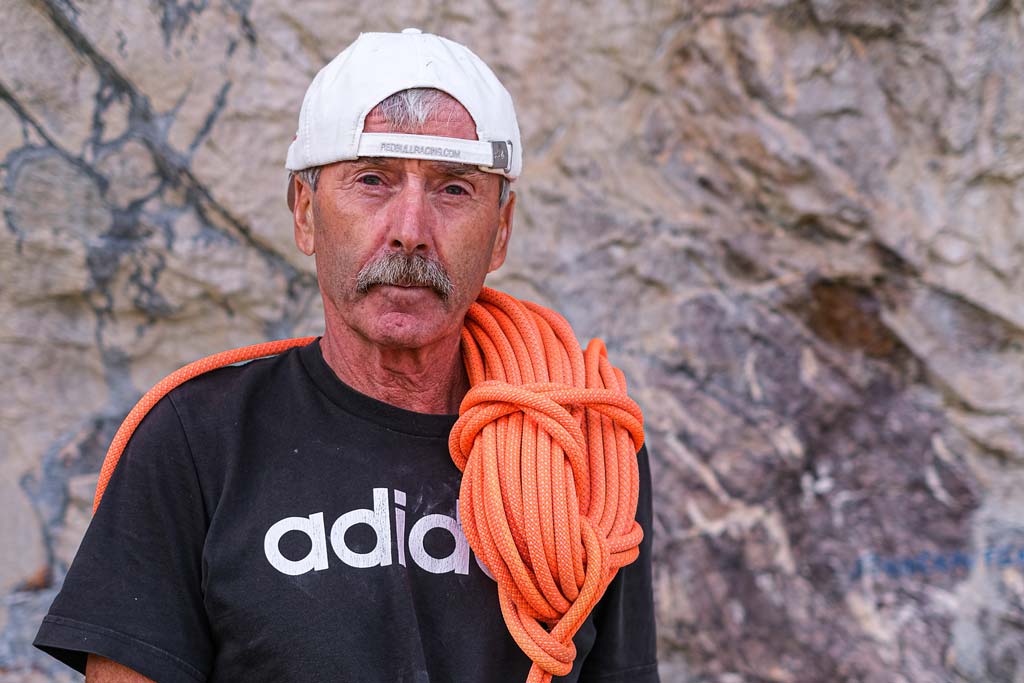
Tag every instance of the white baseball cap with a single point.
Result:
(378, 65)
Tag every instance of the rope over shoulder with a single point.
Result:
(546, 441)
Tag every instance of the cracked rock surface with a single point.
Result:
(798, 225)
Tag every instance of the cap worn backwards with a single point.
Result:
(378, 65)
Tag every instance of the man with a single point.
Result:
(296, 518)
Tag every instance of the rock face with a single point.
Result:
(798, 225)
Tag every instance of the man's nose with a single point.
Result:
(409, 220)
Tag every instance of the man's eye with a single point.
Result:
(455, 189)
(370, 180)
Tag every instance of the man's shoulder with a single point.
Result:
(239, 381)
(212, 411)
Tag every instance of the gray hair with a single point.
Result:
(406, 109)
(410, 109)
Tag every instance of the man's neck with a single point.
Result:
(425, 380)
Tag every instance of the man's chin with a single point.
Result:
(405, 329)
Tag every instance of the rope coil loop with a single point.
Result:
(546, 441)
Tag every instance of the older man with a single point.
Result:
(296, 518)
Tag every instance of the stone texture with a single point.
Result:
(50, 79)
(21, 529)
(798, 224)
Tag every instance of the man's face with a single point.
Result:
(368, 209)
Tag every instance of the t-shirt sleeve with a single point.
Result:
(134, 592)
(625, 649)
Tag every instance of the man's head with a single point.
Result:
(400, 185)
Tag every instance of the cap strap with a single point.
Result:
(496, 155)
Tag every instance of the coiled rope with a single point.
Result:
(546, 440)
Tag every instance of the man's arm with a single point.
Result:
(102, 670)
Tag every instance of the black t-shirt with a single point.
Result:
(268, 523)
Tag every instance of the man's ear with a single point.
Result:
(505, 214)
(302, 214)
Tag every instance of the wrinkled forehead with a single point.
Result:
(440, 168)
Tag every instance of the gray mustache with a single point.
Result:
(405, 270)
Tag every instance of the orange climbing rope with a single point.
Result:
(546, 441)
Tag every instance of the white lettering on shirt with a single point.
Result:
(379, 520)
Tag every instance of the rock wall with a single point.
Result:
(799, 225)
